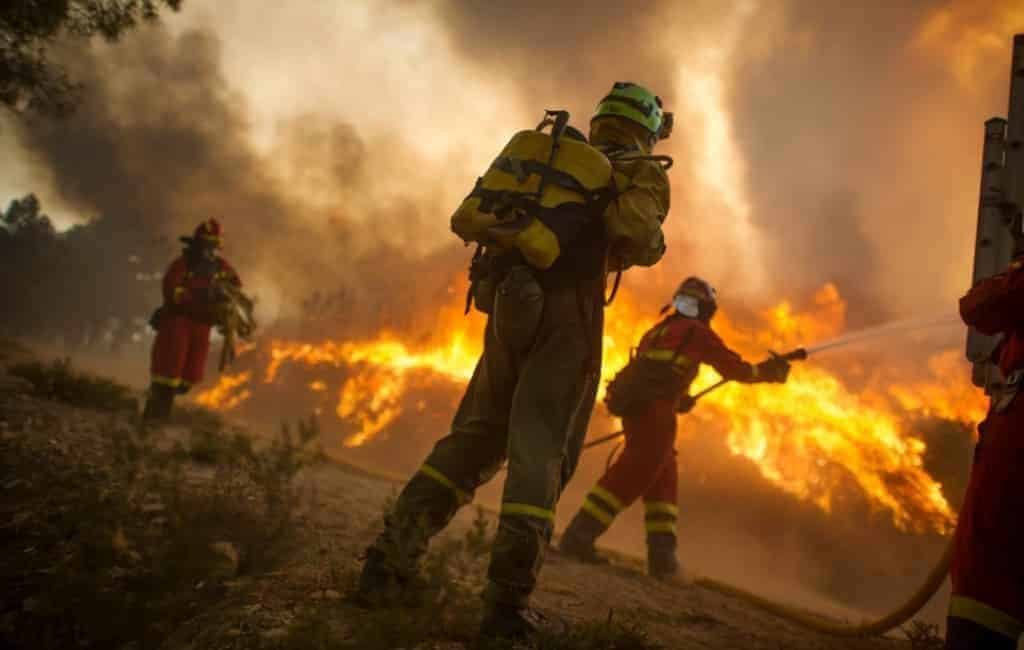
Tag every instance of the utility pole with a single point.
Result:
(1000, 203)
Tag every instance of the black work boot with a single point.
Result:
(662, 562)
(509, 623)
(382, 584)
(158, 403)
(578, 539)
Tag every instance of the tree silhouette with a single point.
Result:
(95, 283)
(30, 81)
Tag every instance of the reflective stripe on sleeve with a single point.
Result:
(986, 616)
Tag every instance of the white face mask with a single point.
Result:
(686, 305)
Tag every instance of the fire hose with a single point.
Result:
(876, 627)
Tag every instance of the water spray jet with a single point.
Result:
(882, 331)
(801, 354)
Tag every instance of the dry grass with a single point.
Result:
(60, 381)
(125, 551)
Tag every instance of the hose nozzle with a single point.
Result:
(799, 354)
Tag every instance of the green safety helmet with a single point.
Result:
(635, 103)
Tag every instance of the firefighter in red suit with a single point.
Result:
(987, 605)
(184, 320)
(664, 366)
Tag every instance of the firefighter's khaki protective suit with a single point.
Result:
(530, 408)
(529, 401)
(987, 567)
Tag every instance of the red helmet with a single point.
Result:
(208, 232)
(696, 298)
(698, 288)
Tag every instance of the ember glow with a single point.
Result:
(813, 437)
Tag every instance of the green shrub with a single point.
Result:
(127, 552)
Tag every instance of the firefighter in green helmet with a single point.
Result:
(531, 395)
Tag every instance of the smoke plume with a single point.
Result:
(861, 127)
(162, 141)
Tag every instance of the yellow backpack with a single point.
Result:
(534, 173)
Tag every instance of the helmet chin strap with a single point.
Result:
(686, 305)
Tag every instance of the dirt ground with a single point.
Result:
(303, 601)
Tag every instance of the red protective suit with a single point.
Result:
(183, 336)
(988, 557)
(647, 467)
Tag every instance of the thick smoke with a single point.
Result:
(858, 128)
(162, 141)
(160, 137)
(862, 138)
(557, 53)
(561, 57)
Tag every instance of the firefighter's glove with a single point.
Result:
(774, 370)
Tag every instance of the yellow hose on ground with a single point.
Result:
(812, 621)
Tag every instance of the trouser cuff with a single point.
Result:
(517, 597)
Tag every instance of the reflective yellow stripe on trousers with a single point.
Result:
(433, 473)
(166, 381)
(602, 505)
(526, 510)
(661, 527)
(661, 508)
(597, 512)
(660, 516)
(986, 616)
(608, 498)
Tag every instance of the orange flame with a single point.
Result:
(813, 437)
(229, 393)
